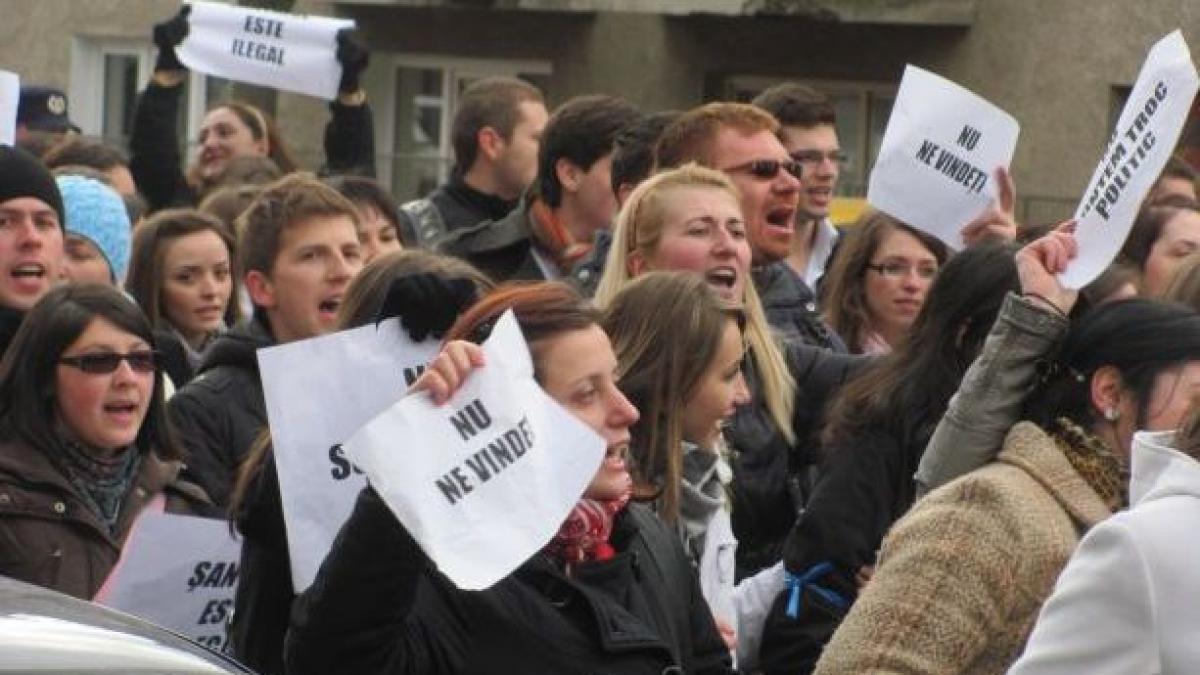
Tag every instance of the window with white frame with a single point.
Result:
(418, 100)
(107, 74)
(862, 108)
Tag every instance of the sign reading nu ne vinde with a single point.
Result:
(271, 49)
(1142, 142)
(485, 480)
(939, 155)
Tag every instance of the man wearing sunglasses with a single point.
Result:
(31, 237)
(808, 129)
(742, 141)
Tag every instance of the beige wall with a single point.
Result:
(1053, 64)
(35, 37)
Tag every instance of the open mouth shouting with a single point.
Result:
(328, 308)
(614, 457)
(723, 280)
(780, 218)
(29, 277)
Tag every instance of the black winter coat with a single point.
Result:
(459, 206)
(791, 307)
(264, 593)
(379, 606)
(221, 412)
(154, 148)
(770, 476)
(502, 249)
(865, 485)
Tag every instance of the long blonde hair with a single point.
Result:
(639, 228)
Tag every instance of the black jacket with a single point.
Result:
(502, 249)
(264, 593)
(459, 206)
(154, 146)
(10, 322)
(770, 476)
(866, 484)
(379, 606)
(221, 412)
(791, 307)
(586, 275)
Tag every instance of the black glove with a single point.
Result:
(427, 304)
(353, 57)
(167, 36)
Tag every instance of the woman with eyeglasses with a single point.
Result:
(877, 282)
(84, 444)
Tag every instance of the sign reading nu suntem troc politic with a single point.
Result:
(1141, 144)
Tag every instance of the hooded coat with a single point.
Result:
(220, 413)
(1126, 603)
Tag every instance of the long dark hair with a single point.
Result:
(911, 387)
(1140, 338)
(147, 275)
(27, 371)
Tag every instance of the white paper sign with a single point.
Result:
(10, 97)
(179, 572)
(272, 49)
(484, 481)
(938, 158)
(319, 392)
(1142, 143)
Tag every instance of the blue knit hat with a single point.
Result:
(95, 211)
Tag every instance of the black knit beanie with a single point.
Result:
(23, 175)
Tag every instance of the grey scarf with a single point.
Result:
(701, 494)
(101, 479)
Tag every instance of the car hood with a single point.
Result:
(45, 631)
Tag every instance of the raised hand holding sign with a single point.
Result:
(942, 147)
(481, 466)
(1142, 143)
(271, 49)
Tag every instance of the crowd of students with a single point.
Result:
(829, 449)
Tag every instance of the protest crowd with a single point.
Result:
(784, 445)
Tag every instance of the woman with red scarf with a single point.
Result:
(613, 592)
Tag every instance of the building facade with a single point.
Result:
(1061, 67)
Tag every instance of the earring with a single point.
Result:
(1112, 415)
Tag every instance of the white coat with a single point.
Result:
(1127, 601)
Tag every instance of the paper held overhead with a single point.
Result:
(291, 52)
(484, 481)
(10, 98)
(1141, 144)
(938, 158)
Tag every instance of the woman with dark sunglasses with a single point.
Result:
(84, 445)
